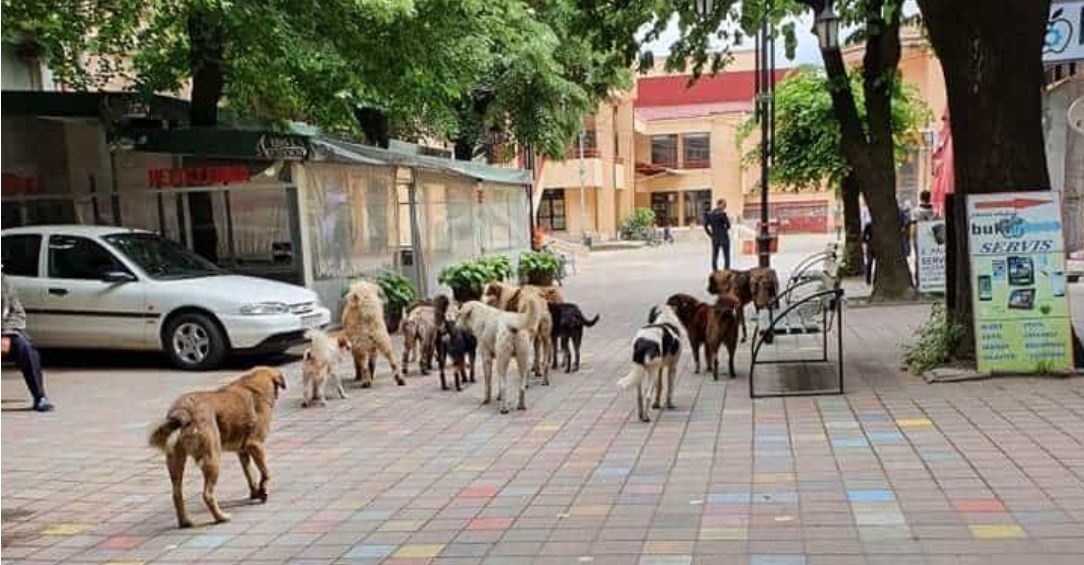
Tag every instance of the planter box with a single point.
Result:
(749, 246)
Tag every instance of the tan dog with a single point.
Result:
(363, 324)
(520, 299)
(759, 286)
(501, 336)
(236, 417)
(319, 365)
(420, 336)
(722, 329)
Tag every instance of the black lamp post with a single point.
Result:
(826, 28)
(765, 113)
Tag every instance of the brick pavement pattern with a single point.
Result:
(895, 471)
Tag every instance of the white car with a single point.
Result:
(103, 287)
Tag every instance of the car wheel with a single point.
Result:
(194, 342)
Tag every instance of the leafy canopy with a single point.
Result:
(807, 136)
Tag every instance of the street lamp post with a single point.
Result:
(583, 193)
(765, 112)
(826, 27)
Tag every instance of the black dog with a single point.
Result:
(454, 342)
(568, 324)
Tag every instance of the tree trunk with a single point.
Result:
(205, 49)
(991, 57)
(463, 149)
(853, 259)
(206, 38)
(868, 147)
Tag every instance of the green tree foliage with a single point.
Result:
(456, 68)
(807, 136)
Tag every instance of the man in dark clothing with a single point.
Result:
(18, 345)
(717, 224)
(871, 257)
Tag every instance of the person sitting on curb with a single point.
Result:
(17, 344)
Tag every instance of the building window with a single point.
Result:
(551, 210)
(590, 146)
(664, 150)
(665, 206)
(697, 150)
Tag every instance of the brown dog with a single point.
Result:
(759, 286)
(236, 417)
(722, 329)
(694, 316)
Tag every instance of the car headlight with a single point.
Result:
(265, 308)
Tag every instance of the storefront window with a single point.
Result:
(665, 206)
(551, 210)
(697, 204)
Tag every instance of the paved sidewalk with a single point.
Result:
(896, 471)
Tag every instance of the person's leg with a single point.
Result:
(725, 244)
(28, 361)
(714, 255)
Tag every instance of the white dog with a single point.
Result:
(363, 324)
(655, 347)
(501, 335)
(319, 366)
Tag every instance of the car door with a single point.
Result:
(22, 268)
(82, 309)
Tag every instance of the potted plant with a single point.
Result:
(500, 267)
(466, 279)
(638, 225)
(538, 267)
(399, 293)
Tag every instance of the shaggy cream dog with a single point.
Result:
(520, 299)
(363, 325)
(501, 335)
(319, 366)
(419, 337)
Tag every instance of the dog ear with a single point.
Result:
(280, 380)
(307, 355)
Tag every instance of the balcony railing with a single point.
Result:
(697, 164)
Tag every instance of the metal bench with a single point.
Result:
(812, 304)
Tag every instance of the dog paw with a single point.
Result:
(655, 405)
(366, 384)
(521, 406)
(258, 494)
(399, 381)
(645, 419)
(670, 406)
(224, 517)
(504, 410)
(186, 523)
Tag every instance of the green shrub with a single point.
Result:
(473, 275)
(500, 266)
(538, 263)
(934, 342)
(638, 225)
(398, 290)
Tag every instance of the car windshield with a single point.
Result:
(161, 258)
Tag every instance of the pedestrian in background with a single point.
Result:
(717, 224)
(16, 343)
(871, 257)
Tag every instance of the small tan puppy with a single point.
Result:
(319, 365)
(363, 324)
(420, 337)
(201, 425)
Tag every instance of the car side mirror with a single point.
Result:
(118, 277)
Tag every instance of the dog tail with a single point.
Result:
(636, 375)
(593, 321)
(164, 436)
(531, 317)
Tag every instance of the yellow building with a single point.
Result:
(672, 147)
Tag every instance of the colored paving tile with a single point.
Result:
(666, 560)
(547, 427)
(489, 524)
(667, 547)
(419, 551)
(997, 531)
(64, 530)
(850, 442)
(885, 437)
(878, 518)
(478, 492)
(774, 497)
(471, 467)
(122, 542)
(729, 498)
(1041, 517)
(777, 559)
(914, 423)
(724, 534)
(369, 551)
(207, 541)
(978, 505)
(870, 495)
(590, 510)
(611, 472)
(882, 533)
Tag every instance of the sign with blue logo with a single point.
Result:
(1022, 319)
(1064, 33)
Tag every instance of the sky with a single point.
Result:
(806, 52)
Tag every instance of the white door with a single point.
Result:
(22, 268)
(82, 309)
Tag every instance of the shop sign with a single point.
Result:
(1064, 40)
(930, 249)
(280, 147)
(1022, 321)
(197, 176)
(15, 184)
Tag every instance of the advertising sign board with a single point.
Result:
(930, 249)
(1022, 320)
